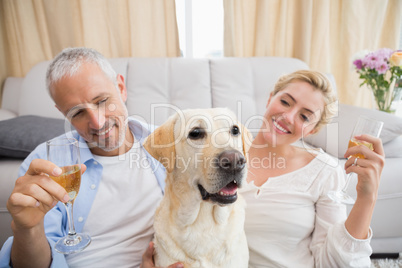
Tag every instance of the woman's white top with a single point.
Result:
(290, 221)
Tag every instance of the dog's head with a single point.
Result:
(205, 149)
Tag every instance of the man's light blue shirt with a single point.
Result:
(56, 219)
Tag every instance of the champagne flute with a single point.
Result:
(364, 125)
(65, 153)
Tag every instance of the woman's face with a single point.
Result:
(292, 113)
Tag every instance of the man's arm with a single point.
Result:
(28, 245)
(33, 196)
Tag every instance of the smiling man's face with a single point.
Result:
(95, 107)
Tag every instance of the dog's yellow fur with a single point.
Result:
(196, 232)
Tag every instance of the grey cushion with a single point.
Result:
(20, 136)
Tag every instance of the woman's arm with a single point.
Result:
(369, 175)
(332, 245)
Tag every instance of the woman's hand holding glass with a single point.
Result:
(365, 158)
(369, 168)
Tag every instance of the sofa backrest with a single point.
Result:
(157, 87)
(244, 84)
(34, 98)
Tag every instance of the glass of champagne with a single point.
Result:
(364, 125)
(65, 153)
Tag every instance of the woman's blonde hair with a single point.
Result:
(319, 82)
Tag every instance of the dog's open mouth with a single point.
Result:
(226, 195)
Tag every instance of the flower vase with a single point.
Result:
(387, 99)
(397, 100)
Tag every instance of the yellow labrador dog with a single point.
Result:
(200, 219)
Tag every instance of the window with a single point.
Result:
(200, 24)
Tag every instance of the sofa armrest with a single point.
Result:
(11, 94)
(6, 114)
(8, 175)
(387, 219)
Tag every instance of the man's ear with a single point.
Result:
(161, 144)
(121, 86)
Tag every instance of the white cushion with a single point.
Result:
(387, 212)
(334, 138)
(157, 87)
(393, 148)
(11, 93)
(244, 84)
(6, 114)
(120, 65)
(35, 99)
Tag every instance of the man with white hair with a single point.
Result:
(117, 199)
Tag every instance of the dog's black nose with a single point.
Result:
(232, 160)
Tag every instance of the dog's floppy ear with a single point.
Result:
(247, 139)
(161, 144)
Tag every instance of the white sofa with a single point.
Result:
(158, 86)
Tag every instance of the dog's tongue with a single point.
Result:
(229, 189)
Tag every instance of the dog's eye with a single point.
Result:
(235, 130)
(196, 133)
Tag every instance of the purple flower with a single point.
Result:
(358, 64)
(382, 68)
(370, 60)
(384, 53)
(378, 70)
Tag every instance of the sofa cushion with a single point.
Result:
(34, 98)
(20, 136)
(158, 87)
(7, 114)
(244, 84)
(120, 66)
(393, 148)
(334, 138)
(11, 94)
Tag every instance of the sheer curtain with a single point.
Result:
(324, 34)
(37, 30)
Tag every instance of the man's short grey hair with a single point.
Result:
(69, 61)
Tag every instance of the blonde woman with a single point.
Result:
(290, 221)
